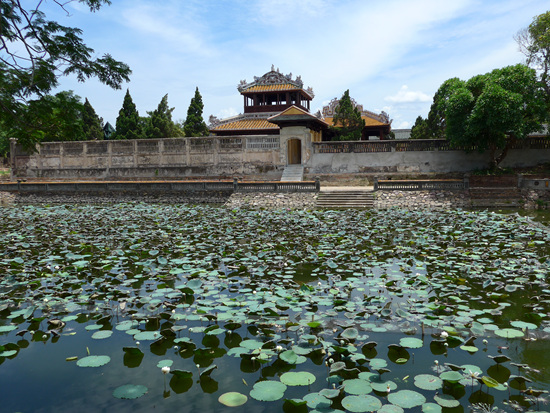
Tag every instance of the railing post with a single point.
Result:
(376, 184)
(466, 181)
(235, 184)
(520, 180)
(317, 183)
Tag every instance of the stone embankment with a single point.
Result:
(272, 200)
(413, 200)
(422, 199)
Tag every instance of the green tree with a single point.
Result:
(420, 129)
(160, 123)
(128, 123)
(194, 124)
(92, 124)
(348, 124)
(35, 53)
(494, 110)
(534, 42)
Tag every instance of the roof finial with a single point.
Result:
(272, 68)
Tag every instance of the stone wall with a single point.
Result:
(151, 158)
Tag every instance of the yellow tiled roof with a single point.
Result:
(246, 124)
(270, 88)
(368, 121)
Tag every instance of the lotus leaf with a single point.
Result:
(302, 378)
(363, 403)
(130, 391)
(268, 391)
(357, 386)
(406, 399)
(93, 361)
(428, 382)
(233, 399)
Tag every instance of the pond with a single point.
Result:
(139, 307)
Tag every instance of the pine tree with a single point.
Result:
(160, 123)
(194, 124)
(128, 125)
(347, 120)
(92, 124)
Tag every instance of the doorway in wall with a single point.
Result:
(294, 154)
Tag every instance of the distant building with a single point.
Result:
(274, 93)
(402, 133)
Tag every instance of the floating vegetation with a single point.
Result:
(276, 310)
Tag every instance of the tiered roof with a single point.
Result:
(274, 81)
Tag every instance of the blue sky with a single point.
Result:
(392, 55)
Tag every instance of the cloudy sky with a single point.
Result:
(392, 55)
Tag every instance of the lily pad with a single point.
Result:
(363, 403)
(268, 391)
(509, 333)
(446, 400)
(406, 399)
(302, 378)
(99, 335)
(130, 391)
(93, 361)
(428, 382)
(233, 399)
(411, 342)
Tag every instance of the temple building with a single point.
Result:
(279, 105)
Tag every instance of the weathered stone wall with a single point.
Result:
(151, 158)
(272, 200)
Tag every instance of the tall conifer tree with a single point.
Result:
(347, 120)
(194, 125)
(128, 125)
(160, 123)
(92, 124)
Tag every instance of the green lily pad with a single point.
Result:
(93, 361)
(446, 400)
(302, 378)
(357, 387)
(99, 335)
(233, 399)
(363, 403)
(428, 382)
(509, 333)
(411, 342)
(451, 376)
(147, 336)
(130, 391)
(268, 391)
(406, 399)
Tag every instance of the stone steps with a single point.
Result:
(293, 173)
(345, 199)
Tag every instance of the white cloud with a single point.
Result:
(408, 96)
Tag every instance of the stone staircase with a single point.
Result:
(345, 199)
(293, 173)
(495, 197)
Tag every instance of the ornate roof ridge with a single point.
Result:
(275, 77)
(383, 117)
(213, 121)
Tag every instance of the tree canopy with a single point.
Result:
(35, 53)
(194, 124)
(534, 42)
(348, 123)
(160, 124)
(493, 110)
(420, 129)
(92, 125)
(128, 123)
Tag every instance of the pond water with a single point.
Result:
(139, 307)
